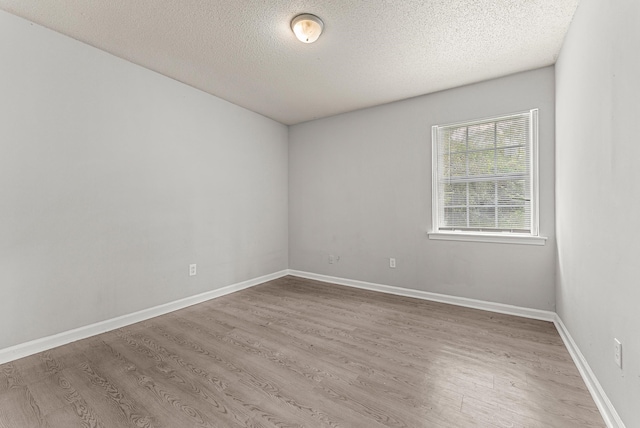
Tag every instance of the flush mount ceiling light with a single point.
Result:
(307, 27)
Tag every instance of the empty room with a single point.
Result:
(418, 213)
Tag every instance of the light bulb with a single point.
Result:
(307, 27)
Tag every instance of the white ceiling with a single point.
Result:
(371, 52)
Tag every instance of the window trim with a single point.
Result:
(498, 237)
(532, 238)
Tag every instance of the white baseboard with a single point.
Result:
(435, 297)
(608, 412)
(33, 347)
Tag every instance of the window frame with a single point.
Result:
(531, 238)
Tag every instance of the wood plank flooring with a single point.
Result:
(294, 352)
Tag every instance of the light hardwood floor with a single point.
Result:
(295, 352)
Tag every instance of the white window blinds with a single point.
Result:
(484, 175)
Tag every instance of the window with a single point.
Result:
(485, 180)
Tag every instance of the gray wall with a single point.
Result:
(360, 189)
(598, 204)
(114, 178)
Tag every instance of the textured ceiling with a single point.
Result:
(371, 52)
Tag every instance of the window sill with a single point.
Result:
(499, 238)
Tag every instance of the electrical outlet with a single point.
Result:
(618, 352)
(332, 259)
(392, 263)
(192, 270)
